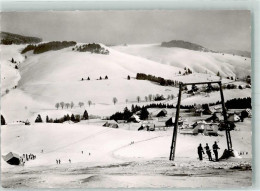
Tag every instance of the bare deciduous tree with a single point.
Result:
(62, 104)
(115, 100)
(67, 105)
(81, 104)
(57, 105)
(150, 96)
(71, 104)
(89, 103)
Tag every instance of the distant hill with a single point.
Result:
(197, 61)
(184, 44)
(10, 38)
(238, 53)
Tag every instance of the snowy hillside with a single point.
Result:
(118, 157)
(55, 76)
(9, 75)
(201, 62)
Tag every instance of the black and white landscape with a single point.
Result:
(88, 99)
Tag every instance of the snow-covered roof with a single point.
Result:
(10, 155)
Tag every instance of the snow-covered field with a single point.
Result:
(144, 162)
(122, 157)
(55, 76)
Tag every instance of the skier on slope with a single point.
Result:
(215, 150)
(200, 152)
(208, 152)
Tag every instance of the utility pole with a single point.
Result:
(227, 125)
(174, 136)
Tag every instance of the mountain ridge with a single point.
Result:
(184, 44)
(11, 38)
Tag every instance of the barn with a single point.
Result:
(162, 113)
(170, 122)
(233, 117)
(134, 118)
(12, 158)
(214, 118)
(112, 124)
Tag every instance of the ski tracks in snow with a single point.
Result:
(112, 153)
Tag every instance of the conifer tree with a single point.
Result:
(127, 113)
(133, 109)
(85, 115)
(144, 113)
(38, 119)
(3, 120)
(72, 118)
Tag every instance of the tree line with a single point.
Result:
(10, 38)
(74, 118)
(70, 105)
(126, 114)
(44, 47)
(159, 80)
(236, 103)
(239, 103)
(92, 47)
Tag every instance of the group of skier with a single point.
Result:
(28, 157)
(58, 161)
(88, 153)
(208, 151)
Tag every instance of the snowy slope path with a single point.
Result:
(134, 143)
(81, 140)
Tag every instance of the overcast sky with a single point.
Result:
(216, 30)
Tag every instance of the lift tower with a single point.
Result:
(227, 125)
